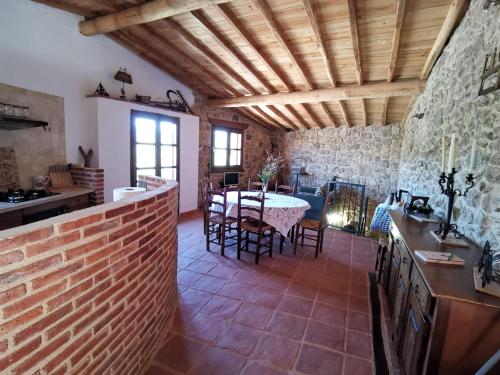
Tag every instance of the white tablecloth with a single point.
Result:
(280, 211)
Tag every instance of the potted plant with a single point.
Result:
(272, 166)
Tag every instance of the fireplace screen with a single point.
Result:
(348, 212)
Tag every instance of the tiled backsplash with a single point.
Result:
(35, 149)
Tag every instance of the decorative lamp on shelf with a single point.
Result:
(124, 77)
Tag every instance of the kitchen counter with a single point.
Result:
(21, 213)
(7, 207)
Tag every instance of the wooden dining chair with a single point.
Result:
(205, 185)
(249, 226)
(284, 189)
(218, 226)
(314, 221)
(254, 185)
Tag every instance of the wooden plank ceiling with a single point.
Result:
(242, 48)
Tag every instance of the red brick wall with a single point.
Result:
(92, 178)
(9, 175)
(91, 291)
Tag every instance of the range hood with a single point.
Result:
(16, 123)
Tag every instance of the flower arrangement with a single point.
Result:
(272, 166)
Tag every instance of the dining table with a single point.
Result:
(281, 211)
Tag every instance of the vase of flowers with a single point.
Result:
(272, 166)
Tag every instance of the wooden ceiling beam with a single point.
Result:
(270, 121)
(230, 50)
(68, 7)
(297, 115)
(396, 35)
(278, 33)
(211, 56)
(315, 26)
(237, 26)
(353, 26)
(152, 58)
(189, 61)
(255, 118)
(282, 116)
(232, 20)
(455, 13)
(351, 91)
(236, 55)
(148, 12)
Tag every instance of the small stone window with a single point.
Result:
(227, 146)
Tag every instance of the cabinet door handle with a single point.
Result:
(404, 260)
(416, 289)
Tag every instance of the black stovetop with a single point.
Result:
(18, 196)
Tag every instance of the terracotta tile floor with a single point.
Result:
(288, 315)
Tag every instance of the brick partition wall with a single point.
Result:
(92, 178)
(91, 291)
(9, 174)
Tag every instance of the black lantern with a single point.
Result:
(124, 77)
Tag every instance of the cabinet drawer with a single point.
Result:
(78, 202)
(422, 293)
(11, 219)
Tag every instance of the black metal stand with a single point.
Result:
(447, 183)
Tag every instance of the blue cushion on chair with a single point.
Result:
(316, 201)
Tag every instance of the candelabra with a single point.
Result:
(447, 183)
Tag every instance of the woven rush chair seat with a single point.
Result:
(310, 223)
(252, 231)
(253, 226)
(314, 221)
(218, 226)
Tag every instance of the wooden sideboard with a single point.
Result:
(440, 324)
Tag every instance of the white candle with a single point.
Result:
(443, 154)
(473, 156)
(451, 155)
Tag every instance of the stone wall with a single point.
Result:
(451, 104)
(35, 148)
(257, 139)
(366, 155)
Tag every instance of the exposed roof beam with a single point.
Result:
(230, 50)
(409, 108)
(314, 23)
(68, 7)
(273, 25)
(154, 35)
(353, 25)
(255, 118)
(297, 115)
(148, 12)
(280, 114)
(211, 56)
(153, 58)
(455, 13)
(233, 21)
(396, 34)
(236, 55)
(352, 91)
(278, 33)
(269, 119)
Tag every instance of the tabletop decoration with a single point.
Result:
(447, 184)
(272, 166)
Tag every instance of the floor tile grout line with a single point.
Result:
(303, 260)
